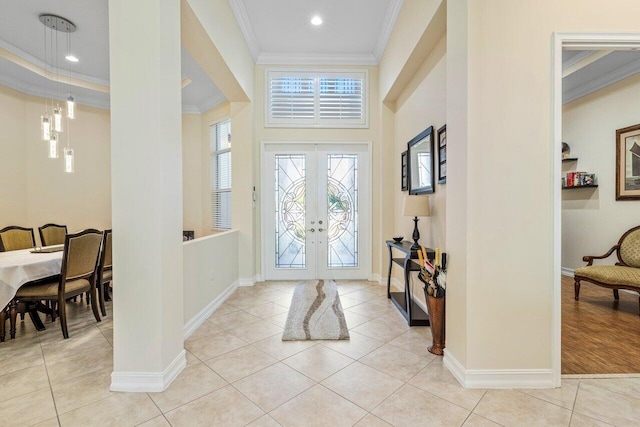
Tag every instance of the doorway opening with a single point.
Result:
(590, 72)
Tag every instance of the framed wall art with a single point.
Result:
(628, 163)
(442, 155)
(404, 176)
(421, 177)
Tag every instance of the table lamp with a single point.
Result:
(416, 206)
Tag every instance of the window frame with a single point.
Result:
(317, 122)
(213, 156)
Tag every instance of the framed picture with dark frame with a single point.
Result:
(421, 162)
(404, 176)
(442, 155)
(628, 163)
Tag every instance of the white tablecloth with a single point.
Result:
(20, 267)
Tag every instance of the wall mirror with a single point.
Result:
(421, 179)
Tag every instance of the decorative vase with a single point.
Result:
(436, 309)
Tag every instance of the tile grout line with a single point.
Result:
(44, 360)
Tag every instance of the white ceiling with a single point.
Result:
(276, 31)
(354, 32)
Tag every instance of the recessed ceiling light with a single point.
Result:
(316, 20)
(71, 58)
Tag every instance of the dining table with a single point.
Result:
(27, 265)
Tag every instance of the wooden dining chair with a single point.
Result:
(14, 238)
(52, 234)
(105, 270)
(78, 275)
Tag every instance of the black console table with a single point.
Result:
(410, 310)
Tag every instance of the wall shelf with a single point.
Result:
(579, 186)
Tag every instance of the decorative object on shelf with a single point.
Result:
(416, 206)
(188, 235)
(398, 239)
(442, 155)
(628, 163)
(404, 169)
(566, 150)
(579, 179)
(51, 122)
(421, 177)
(434, 277)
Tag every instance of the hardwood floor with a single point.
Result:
(599, 335)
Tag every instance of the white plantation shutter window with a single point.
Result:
(316, 99)
(221, 176)
(292, 99)
(341, 99)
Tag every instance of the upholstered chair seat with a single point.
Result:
(50, 289)
(77, 276)
(625, 274)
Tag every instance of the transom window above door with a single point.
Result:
(316, 99)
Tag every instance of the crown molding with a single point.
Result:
(316, 59)
(576, 58)
(388, 24)
(598, 83)
(90, 101)
(47, 70)
(209, 103)
(242, 17)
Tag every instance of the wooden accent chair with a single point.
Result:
(105, 270)
(78, 275)
(625, 274)
(52, 234)
(14, 238)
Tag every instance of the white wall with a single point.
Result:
(592, 220)
(210, 272)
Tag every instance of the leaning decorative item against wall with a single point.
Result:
(442, 155)
(404, 169)
(628, 163)
(421, 177)
(434, 277)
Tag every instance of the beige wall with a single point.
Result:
(13, 161)
(370, 134)
(508, 175)
(422, 104)
(35, 190)
(592, 220)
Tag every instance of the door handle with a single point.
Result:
(311, 230)
(320, 229)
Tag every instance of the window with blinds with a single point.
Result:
(311, 99)
(221, 176)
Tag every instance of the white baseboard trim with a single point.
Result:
(144, 382)
(498, 378)
(248, 281)
(376, 278)
(566, 271)
(197, 320)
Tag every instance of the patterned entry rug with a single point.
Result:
(315, 313)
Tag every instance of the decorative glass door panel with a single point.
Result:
(342, 210)
(313, 221)
(290, 208)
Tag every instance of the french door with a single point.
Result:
(316, 212)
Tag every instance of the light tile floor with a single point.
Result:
(240, 373)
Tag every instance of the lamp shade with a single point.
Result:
(416, 206)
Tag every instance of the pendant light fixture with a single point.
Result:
(52, 120)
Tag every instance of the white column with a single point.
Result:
(146, 180)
